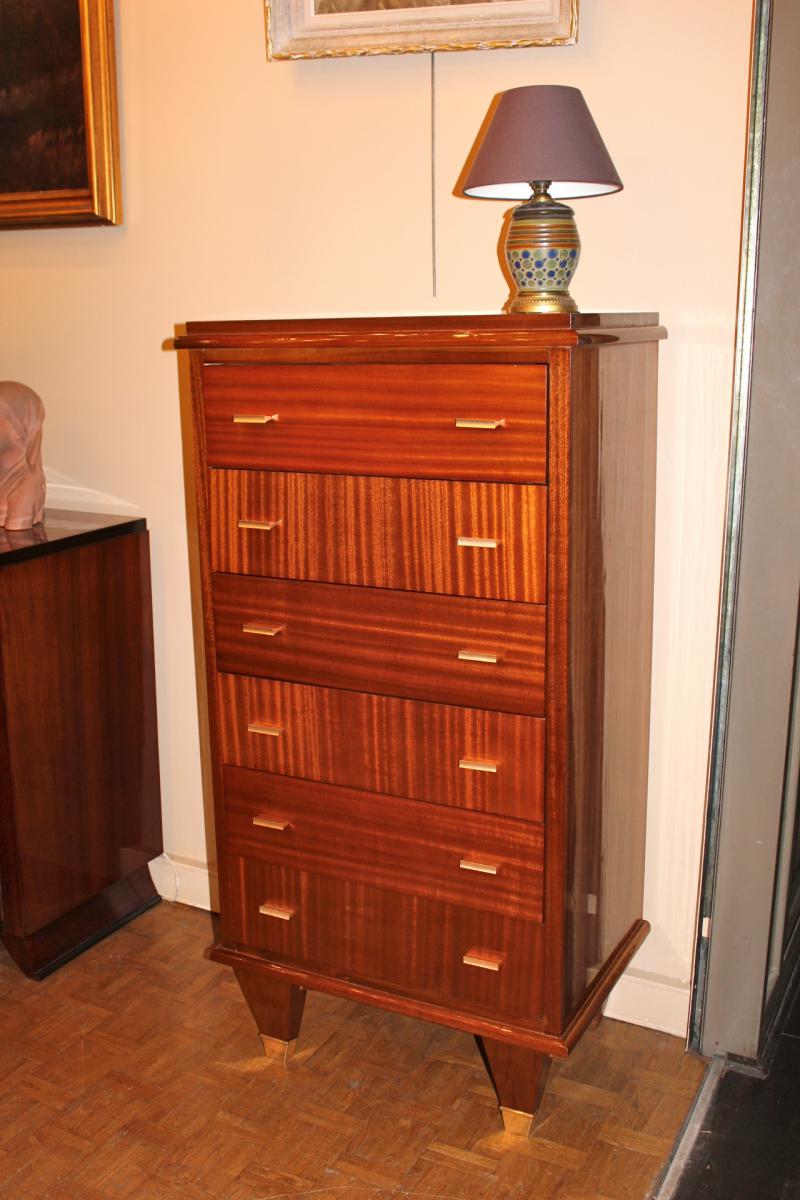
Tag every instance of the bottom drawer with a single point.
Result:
(458, 957)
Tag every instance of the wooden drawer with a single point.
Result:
(422, 535)
(468, 758)
(394, 643)
(446, 422)
(491, 863)
(390, 939)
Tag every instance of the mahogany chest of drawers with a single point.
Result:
(427, 560)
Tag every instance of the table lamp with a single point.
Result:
(540, 144)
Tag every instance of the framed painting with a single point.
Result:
(59, 145)
(329, 28)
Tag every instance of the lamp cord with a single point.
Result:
(433, 172)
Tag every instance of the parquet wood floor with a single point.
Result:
(135, 1071)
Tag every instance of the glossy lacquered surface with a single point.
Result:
(379, 420)
(79, 787)
(63, 529)
(367, 934)
(385, 744)
(421, 535)
(485, 862)
(613, 451)
(428, 732)
(489, 338)
(46, 949)
(396, 643)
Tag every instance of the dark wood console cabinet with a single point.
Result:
(427, 562)
(80, 812)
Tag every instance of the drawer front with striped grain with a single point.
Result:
(421, 535)
(469, 758)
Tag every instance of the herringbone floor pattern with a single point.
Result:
(135, 1071)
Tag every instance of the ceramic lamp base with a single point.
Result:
(542, 251)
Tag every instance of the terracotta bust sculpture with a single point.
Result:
(22, 482)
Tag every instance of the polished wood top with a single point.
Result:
(409, 334)
(63, 529)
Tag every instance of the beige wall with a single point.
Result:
(293, 189)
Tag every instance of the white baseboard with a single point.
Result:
(655, 1001)
(640, 997)
(187, 881)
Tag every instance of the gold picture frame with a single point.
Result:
(94, 199)
(339, 28)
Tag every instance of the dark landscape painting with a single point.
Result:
(42, 122)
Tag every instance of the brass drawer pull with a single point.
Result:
(253, 418)
(480, 422)
(467, 864)
(267, 730)
(479, 656)
(271, 823)
(276, 910)
(265, 525)
(477, 764)
(487, 960)
(478, 543)
(264, 630)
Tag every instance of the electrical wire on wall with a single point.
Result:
(433, 172)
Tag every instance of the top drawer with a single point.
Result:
(439, 421)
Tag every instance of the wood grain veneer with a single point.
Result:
(384, 419)
(383, 744)
(501, 338)
(381, 532)
(396, 643)
(361, 686)
(405, 943)
(485, 862)
(80, 809)
(613, 450)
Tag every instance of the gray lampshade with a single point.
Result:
(541, 132)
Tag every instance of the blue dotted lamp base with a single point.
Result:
(542, 254)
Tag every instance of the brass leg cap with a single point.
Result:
(515, 1121)
(276, 1049)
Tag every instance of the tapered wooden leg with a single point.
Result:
(518, 1076)
(277, 1007)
